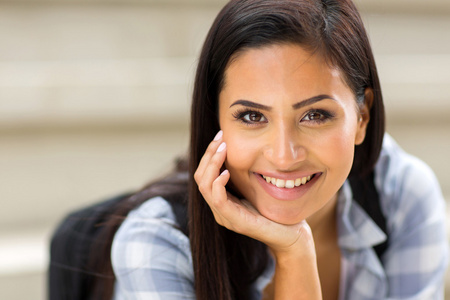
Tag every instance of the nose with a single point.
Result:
(284, 148)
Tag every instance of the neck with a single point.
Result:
(323, 222)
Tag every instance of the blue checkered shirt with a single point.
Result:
(152, 259)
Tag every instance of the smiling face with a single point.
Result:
(290, 124)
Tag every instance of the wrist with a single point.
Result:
(288, 260)
(300, 251)
(296, 277)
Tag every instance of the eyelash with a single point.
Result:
(241, 114)
(325, 115)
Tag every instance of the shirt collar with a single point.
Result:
(357, 232)
(356, 229)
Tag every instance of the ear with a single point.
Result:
(364, 116)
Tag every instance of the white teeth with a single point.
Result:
(280, 183)
(289, 184)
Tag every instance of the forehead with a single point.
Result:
(285, 67)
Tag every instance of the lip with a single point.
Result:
(286, 194)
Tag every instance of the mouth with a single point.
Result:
(288, 184)
(288, 188)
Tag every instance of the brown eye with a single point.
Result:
(250, 117)
(253, 117)
(315, 116)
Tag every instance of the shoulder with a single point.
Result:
(394, 162)
(151, 225)
(149, 245)
(404, 181)
(398, 172)
(410, 198)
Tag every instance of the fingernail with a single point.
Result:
(225, 172)
(222, 147)
(218, 135)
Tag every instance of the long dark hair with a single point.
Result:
(331, 28)
(226, 263)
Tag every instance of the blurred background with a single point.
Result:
(94, 101)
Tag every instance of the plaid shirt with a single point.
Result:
(152, 259)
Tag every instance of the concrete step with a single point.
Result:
(79, 93)
(66, 32)
(45, 174)
(24, 257)
(403, 6)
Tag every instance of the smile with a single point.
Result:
(288, 184)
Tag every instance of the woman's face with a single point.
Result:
(290, 124)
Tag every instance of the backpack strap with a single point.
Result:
(366, 195)
(179, 203)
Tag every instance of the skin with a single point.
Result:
(286, 137)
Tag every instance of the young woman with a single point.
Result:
(286, 107)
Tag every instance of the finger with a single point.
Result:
(261, 226)
(219, 197)
(211, 171)
(212, 148)
(229, 211)
(250, 207)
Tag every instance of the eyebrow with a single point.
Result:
(251, 104)
(297, 105)
(311, 101)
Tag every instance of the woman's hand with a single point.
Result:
(296, 275)
(240, 216)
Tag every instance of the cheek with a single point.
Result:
(342, 150)
(239, 153)
(242, 155)
(338, 151)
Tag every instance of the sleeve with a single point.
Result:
(416, 260)
(151, 258)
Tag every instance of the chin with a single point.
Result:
(282, 216)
